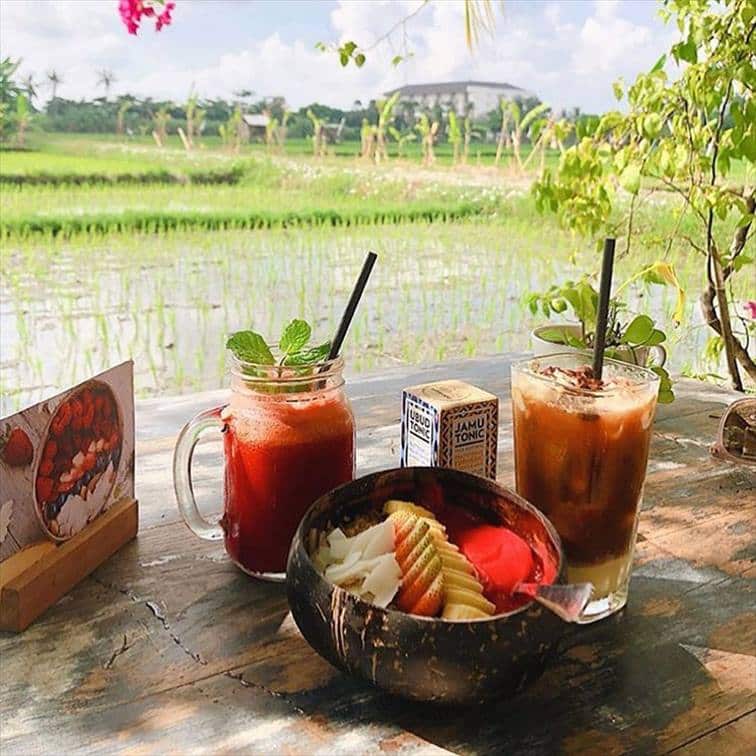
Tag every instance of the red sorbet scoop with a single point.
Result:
(502, 558)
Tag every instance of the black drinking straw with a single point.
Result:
(607, 265)
(354, 300)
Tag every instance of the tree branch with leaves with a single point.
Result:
(693, 136)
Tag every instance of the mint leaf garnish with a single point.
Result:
(309, 356)
(249, 346)
(294, 338)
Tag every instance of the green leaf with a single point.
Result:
(686, 51)
(666, 395)
(619, 89)
(396, 60)
(295, 336)
(558, 305)
(652, 125)
(630, 178)
(573, 341)
(664, 273)
(656, 337)
(359, 60)
(249, 346)
(741, 261)
(659, 64)
(309, 356)
(608, 122)
(554, 335)
(588, 309)
(639, 330)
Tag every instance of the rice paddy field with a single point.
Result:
(97, 269)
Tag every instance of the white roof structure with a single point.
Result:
(463, 96)
(256, 119)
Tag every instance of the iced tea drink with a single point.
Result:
(581, 449)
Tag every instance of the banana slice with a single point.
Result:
(462, 612)
(396, 505)
(456, 579)
(469, 598)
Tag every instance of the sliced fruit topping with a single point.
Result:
(469, 598)
(412, 546)
(460, 579)
(395, 505)
(422, 588)
(503, 559)
(463, 612)
(456, 561)
(429, 604)
(455, 579)
(363, 564)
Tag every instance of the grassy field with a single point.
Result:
(209, 149)
(262, 191)
(112, 284)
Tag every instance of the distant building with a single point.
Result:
(476, 97)
(256, 125)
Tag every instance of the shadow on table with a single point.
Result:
(623, 684)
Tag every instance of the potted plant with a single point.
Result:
(630, 337)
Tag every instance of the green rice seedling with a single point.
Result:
(451, 289)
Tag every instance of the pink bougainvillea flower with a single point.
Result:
(129, 14)
(750, 308)
(165, 17)
(132, 12)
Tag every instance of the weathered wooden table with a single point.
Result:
(168, 648)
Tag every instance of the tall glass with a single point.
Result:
(581, 450)
(288, 438)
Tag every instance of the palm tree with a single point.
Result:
(243, 95)
(123, 108)
(106, 78)
(55, 80)
(22, 118)
(30, 85)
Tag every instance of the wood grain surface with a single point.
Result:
(167, 648)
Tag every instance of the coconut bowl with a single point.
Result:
(425, 659)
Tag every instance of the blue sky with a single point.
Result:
(566, 51)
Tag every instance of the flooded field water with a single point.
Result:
(439, 292)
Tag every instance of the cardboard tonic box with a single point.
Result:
(450, 424)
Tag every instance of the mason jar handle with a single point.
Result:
(182, 473)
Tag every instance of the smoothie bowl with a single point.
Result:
(406, 578)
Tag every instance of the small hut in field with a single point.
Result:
(256, 126)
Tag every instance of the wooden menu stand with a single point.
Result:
(36, 577)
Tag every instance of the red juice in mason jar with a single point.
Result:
(288, 437)
(282, 452)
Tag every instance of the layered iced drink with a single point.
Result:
(581, 449)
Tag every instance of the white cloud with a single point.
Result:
(606, 8)
(268, 67)
(567, 53)
(74, 38)
(605, 40)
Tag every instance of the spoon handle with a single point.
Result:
(566, 601)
